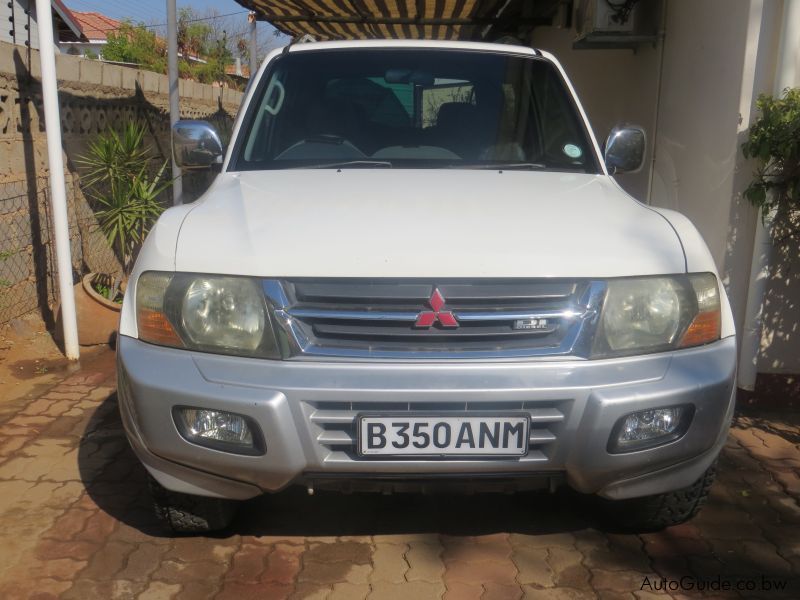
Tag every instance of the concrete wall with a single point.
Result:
(93, 96)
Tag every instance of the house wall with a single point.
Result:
(718, 56)
(92, 97)
(615, 86)
(13, 18)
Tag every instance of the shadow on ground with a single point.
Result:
(746, 531)
(117, 483)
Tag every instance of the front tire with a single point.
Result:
(653, 513)
(185, 513)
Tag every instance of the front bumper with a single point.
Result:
(304, 410)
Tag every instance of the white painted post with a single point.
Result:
(58, 188)
(251, 18)
(174, 98)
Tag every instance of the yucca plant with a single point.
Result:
(125, 191)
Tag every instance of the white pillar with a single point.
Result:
(174, 98)
(787, 74)
(251, 18)
(58, 189)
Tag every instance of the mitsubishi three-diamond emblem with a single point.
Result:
(428, 318)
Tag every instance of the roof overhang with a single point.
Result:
(405, 19)
(67, 18)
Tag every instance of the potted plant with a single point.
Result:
(124, 188)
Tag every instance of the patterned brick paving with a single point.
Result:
(76, 524)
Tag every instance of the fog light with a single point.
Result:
(649, 428)
(219, 430)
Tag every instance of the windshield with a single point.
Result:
(412, 108)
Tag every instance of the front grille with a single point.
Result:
(376, 317)
(333, 424)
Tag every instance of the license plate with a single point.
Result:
(418, 435)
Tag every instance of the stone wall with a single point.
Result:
(92, 97)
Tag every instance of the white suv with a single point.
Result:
(414, 270)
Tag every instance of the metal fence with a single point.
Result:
(27, 251)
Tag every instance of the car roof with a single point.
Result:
(432, 44)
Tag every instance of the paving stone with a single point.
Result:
(533, 566)
(11, 445)
(86, 589)
(499, 591)
(349, 591)
(316, 572)
(78, 550)
(559, 593)
(158, 590)
(98, 528)
(568, 570)
(283, 564)
(197, 590)
(108, 562)
(77, 522)
(565, 540)
(247, 565)
(418, 590)
(142, 562)
(72, 522)
(457, 590)
(358, 574)
(481, 572)
(425, 562)
(232, 590)
(311, 591)
(352, 552)
(173, 571)
(37, 407)
(388, 563)
(617, 581)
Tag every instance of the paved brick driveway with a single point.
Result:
(75, 523)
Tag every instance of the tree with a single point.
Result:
(136, 44)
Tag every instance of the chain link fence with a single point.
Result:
(27, 249)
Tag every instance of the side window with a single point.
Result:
(271, 105)
(433, 97)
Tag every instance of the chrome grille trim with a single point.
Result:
(310, 328)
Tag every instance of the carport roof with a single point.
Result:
(404, 19)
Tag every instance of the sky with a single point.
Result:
(155, 11)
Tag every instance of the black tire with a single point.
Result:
(653, 513)
(185, 513)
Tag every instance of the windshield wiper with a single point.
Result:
(519, 166)
(350, 163)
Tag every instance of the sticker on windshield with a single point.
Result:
(572, 151)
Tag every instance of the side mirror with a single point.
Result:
(196, 145)
(625, 147)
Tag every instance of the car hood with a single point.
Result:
(424, 223)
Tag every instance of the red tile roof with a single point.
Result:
(94, 25)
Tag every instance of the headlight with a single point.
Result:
(211, 313)
(651, 314)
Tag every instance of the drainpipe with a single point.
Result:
(58, 189)
(174, 98)
(786, 75)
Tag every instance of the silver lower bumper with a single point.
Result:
(304, 408)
